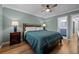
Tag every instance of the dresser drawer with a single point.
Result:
(15, 38)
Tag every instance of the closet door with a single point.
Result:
(62, 26)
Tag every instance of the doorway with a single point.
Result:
(63, 26)
(75, 27)
(75, 24)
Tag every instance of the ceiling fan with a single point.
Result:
(48, 7)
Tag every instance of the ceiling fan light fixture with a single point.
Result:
(48, 7)
(47, 10)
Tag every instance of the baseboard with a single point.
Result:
(0, 46)
(4, 43)
(65, 37)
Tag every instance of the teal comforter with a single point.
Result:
(39, 40)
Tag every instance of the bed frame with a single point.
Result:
(34, 25)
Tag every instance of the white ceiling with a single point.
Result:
(35, 9)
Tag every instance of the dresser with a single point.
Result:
(15, 38)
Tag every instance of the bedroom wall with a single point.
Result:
(1, 25)
(52, 23)
(9, 15)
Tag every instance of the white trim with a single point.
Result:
(4, 44)
(74, 15)
(1, 46)
(39, 15)
(22, 11)
(65, 37)
(62, 13)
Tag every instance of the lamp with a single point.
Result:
(44, 25)
(15, 24)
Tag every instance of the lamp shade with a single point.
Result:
(44, 25)
(15, 23)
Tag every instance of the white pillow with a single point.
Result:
(39, 28)
(33, 28)
(30, 28)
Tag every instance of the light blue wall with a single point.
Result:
(9, 15)
(1, 24)
(52, 23)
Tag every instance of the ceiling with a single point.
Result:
(35, 9)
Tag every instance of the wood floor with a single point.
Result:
(68, 47)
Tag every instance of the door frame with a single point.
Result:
(73, 20)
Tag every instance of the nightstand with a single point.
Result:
(15, 38)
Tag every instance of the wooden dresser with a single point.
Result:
(15, 38)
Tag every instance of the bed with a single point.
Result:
(40, 40)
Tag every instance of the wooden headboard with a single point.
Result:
(29, 25)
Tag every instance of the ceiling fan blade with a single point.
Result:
(54, 5)
(43, 5)
(50, 10)
(43, 10)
